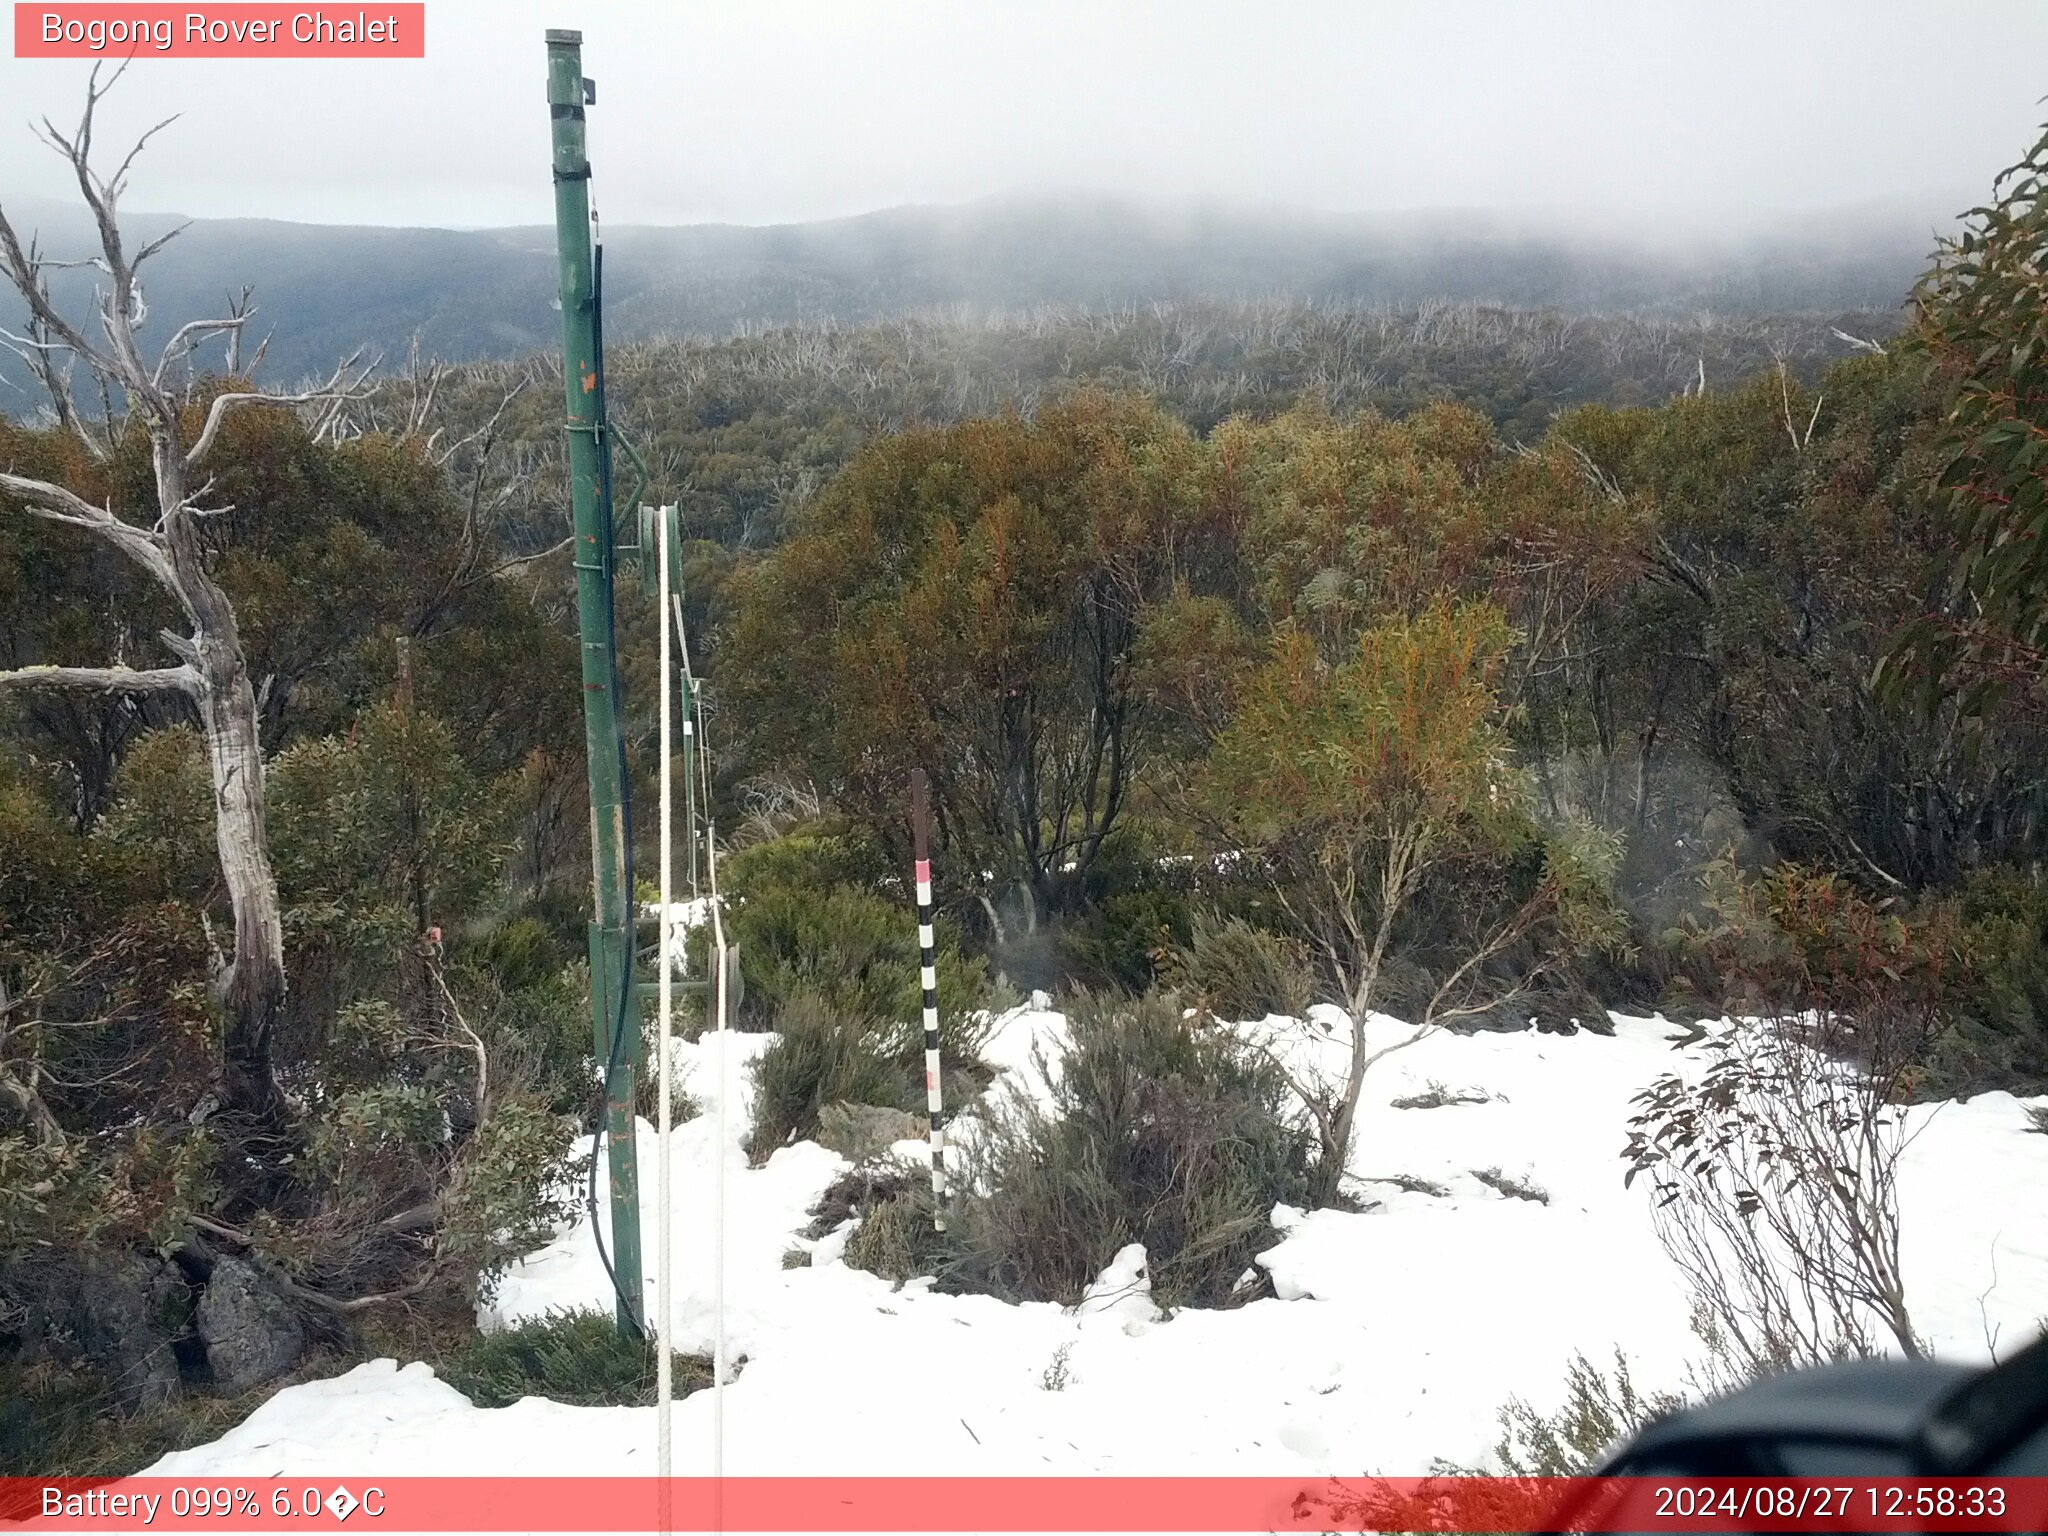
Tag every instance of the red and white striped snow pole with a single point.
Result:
(927, 957)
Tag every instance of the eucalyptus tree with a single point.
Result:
(206, 666)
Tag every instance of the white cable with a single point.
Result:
(664, 1271)
(693, 726)
(721, 995)
(718, 1185)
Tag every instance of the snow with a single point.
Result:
(1395, 1335)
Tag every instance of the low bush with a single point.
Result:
(1120, 943)
(1511, 1186)
(823, 1055)
(802, 925)
(895, 1237)
(1164, 1129)
(1998, 1037)
(1599, 1411)
(1237, 971)
(1437, 1096)
(569, 1357)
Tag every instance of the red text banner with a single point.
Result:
(1016, 1504)
(231, 31)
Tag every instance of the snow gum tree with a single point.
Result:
(1358, 784)
(164, 537)
(1978, 322)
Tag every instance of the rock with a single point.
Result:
(252, 1331)
(127, 1309)
(860, 1132)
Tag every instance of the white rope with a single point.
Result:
(664, 1269)
(718, 1185)
(700, 793)
(699, 780)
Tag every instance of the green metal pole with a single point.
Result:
(613, 1000)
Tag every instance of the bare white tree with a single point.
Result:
(209, 667)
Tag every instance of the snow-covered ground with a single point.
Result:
(1397, 1334)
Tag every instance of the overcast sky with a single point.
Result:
(761, 111)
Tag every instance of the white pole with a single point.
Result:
(665, 1260)
(718, 1183)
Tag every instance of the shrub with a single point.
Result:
(823, 1056)
(569, 1357)
(1511, 1186)
(802, 927)
(1164, 1130)
(161, 817)
(512, 1189)
(520, 952)
(1122, 941)
(895, 1237)
(1437, 1096)
(1599, 1412)
(1999, 1038)
(1237, 971)
(1774, 1173)
(682, 1104)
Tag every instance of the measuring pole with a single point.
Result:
(614, 1001)
(928, 973)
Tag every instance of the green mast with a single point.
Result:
(614, 1000)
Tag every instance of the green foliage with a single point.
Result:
(804, 931)
(969, 600)
(823, 1055)
(385, 826)
(894, 1236)
(1598, 1413)
(1120, 942)
(134, 1187)
(1164, 1130)
(372, 1140)
(1370, 786)
(1236, 971)
(520, 953)
(1392, 755)
(1997, 991)
(162, 813)
(513, 1189)
(573, 1357)
(1979, 319)
(60, 1420)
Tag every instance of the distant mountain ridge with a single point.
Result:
(323, 290)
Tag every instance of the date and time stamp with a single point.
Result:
(1695, 1505)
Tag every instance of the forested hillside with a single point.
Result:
(470, 294)
(1473, 664)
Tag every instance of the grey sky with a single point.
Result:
(757, 111)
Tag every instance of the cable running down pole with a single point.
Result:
(665, 1254)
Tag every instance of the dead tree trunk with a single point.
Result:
(212, 672)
